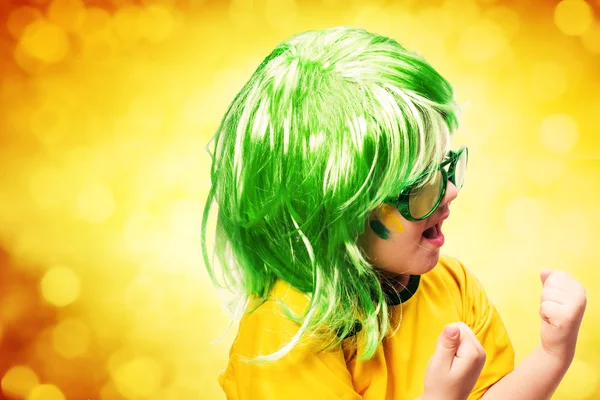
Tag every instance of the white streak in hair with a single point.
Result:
(416, 115)
(358, 127)
(312, 310)
(240, 137)
(261, 120)
(240, 307)
(305, 240)
(271, 136)
(329, 170)
(286, 134)
(316, 140)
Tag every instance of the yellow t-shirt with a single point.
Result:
(447, 294)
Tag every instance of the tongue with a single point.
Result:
(430, 233)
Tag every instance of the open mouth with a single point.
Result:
(434, 235)
(432, 232)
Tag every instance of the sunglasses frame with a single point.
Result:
(402, 200)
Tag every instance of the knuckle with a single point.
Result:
(483, 358)
(462, 325)
(561, 274)
(582, 295)
(482, 353)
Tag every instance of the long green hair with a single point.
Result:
(330, 124)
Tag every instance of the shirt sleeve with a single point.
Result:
(481, 316)
(303, 373)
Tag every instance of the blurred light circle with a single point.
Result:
(20, 18)
(26, 61)
(591, 39)
(371, 15)
(97, 48)
(71, 338)
(47, 189)
(162, 2)
(138, 378)
(196, 3)
(548, 81)
(186, 216)
(109, 392)
(50, 124)
(464, 13)
(156, 23)
(60, 286)
(573, 17)
(242, 13)
(95, 203)
(146, 112)
(126, 24)
(429, 20)
(143, 295)
(141, 232)
(545, 171)
(430, 43)
(525, 218)
(505, 18)
(559, 133)
(95, 19)
(577, 222)
(281, 14)
(45, 41)
(194, 109)
(337, 3)
(68, 14)
(481, 42)
(46, 392)
(18, 381)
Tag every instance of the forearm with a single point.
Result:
(536, 378)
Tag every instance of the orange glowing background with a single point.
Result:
(107, 107)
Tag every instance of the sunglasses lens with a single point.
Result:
(423, 199)
(461, 168)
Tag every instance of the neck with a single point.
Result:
(394, 282)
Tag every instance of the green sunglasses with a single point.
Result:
(418, 201)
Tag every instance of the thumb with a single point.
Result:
(544, 274)
(447, 344)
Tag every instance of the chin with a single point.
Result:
(430, 262)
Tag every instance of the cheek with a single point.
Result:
(385, 221)
(390, 217)
(392, 254)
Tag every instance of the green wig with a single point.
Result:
(330, 124)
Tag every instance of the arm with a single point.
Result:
(455, 365)
(479, 314)
(562, 306)
(537, 377)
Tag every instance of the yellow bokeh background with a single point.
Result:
(107, 108)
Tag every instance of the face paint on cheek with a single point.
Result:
(379, 229)
(387, 215)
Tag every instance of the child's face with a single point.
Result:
(398, 246)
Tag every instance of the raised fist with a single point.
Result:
(455, 365)
(561, 308)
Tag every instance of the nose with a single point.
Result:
(451, 193)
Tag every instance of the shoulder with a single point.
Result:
(283, 303)
(467, 291)
(268, 325)
(459, 283)
(451, 272)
